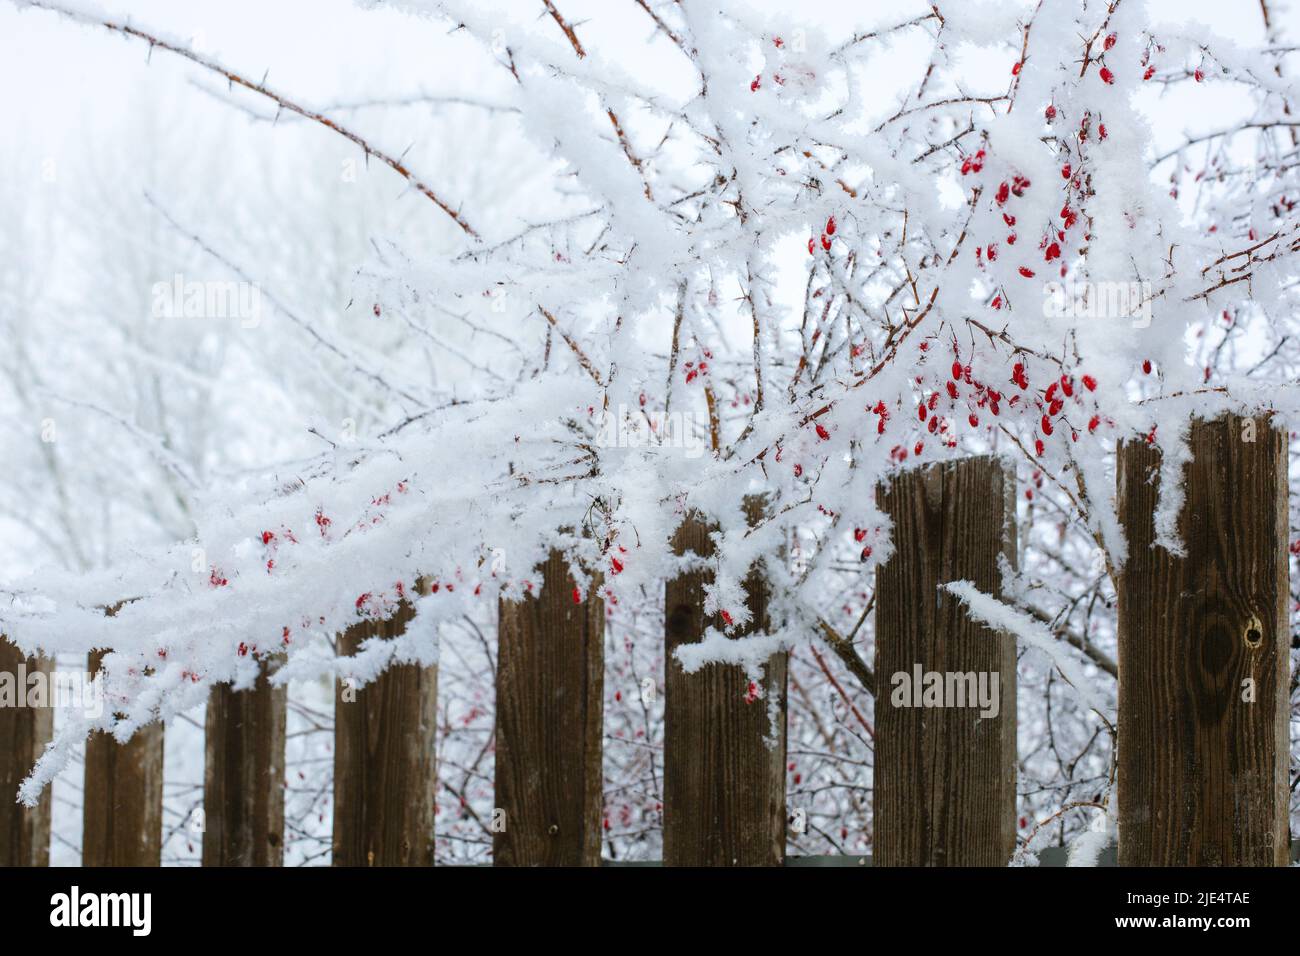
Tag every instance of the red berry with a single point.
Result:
(1106, 75)
(1090, 383)
(1026, 272)
(1110, 41)
(1047, 425)
(830, 226)
(1146, 366)
(822, 433)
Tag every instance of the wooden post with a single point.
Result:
(24, 731)
(243, 775)
(945, 776)
(122, 814)
(549, 713)
(1203, 649)
(384, 758)
(724, 776)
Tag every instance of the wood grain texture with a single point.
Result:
(243, 775)
(384, 758)
(945, 778)
(724, 764)
(549, 717)
(1203, 773)
(24, 731)
(122, 815)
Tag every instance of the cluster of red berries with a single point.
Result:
(860, 535)
(827, 232)
(973, 163)
(695, 369)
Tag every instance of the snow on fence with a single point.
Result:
(1203, 755)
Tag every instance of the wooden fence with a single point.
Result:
(1203, 705)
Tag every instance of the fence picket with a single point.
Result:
(243, 775)
(24, 731)
(122, 810)
(724, 764)
(549, 712)
(1202, 769)
(384, 758)
(944, 776)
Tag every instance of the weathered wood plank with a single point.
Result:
(724, 761)
(243, 775)
(945, 777)
(24, 732)
(384, 758)
(549, 713)
(1202, 769)
(122, 814)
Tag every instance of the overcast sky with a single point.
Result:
(67, 81)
